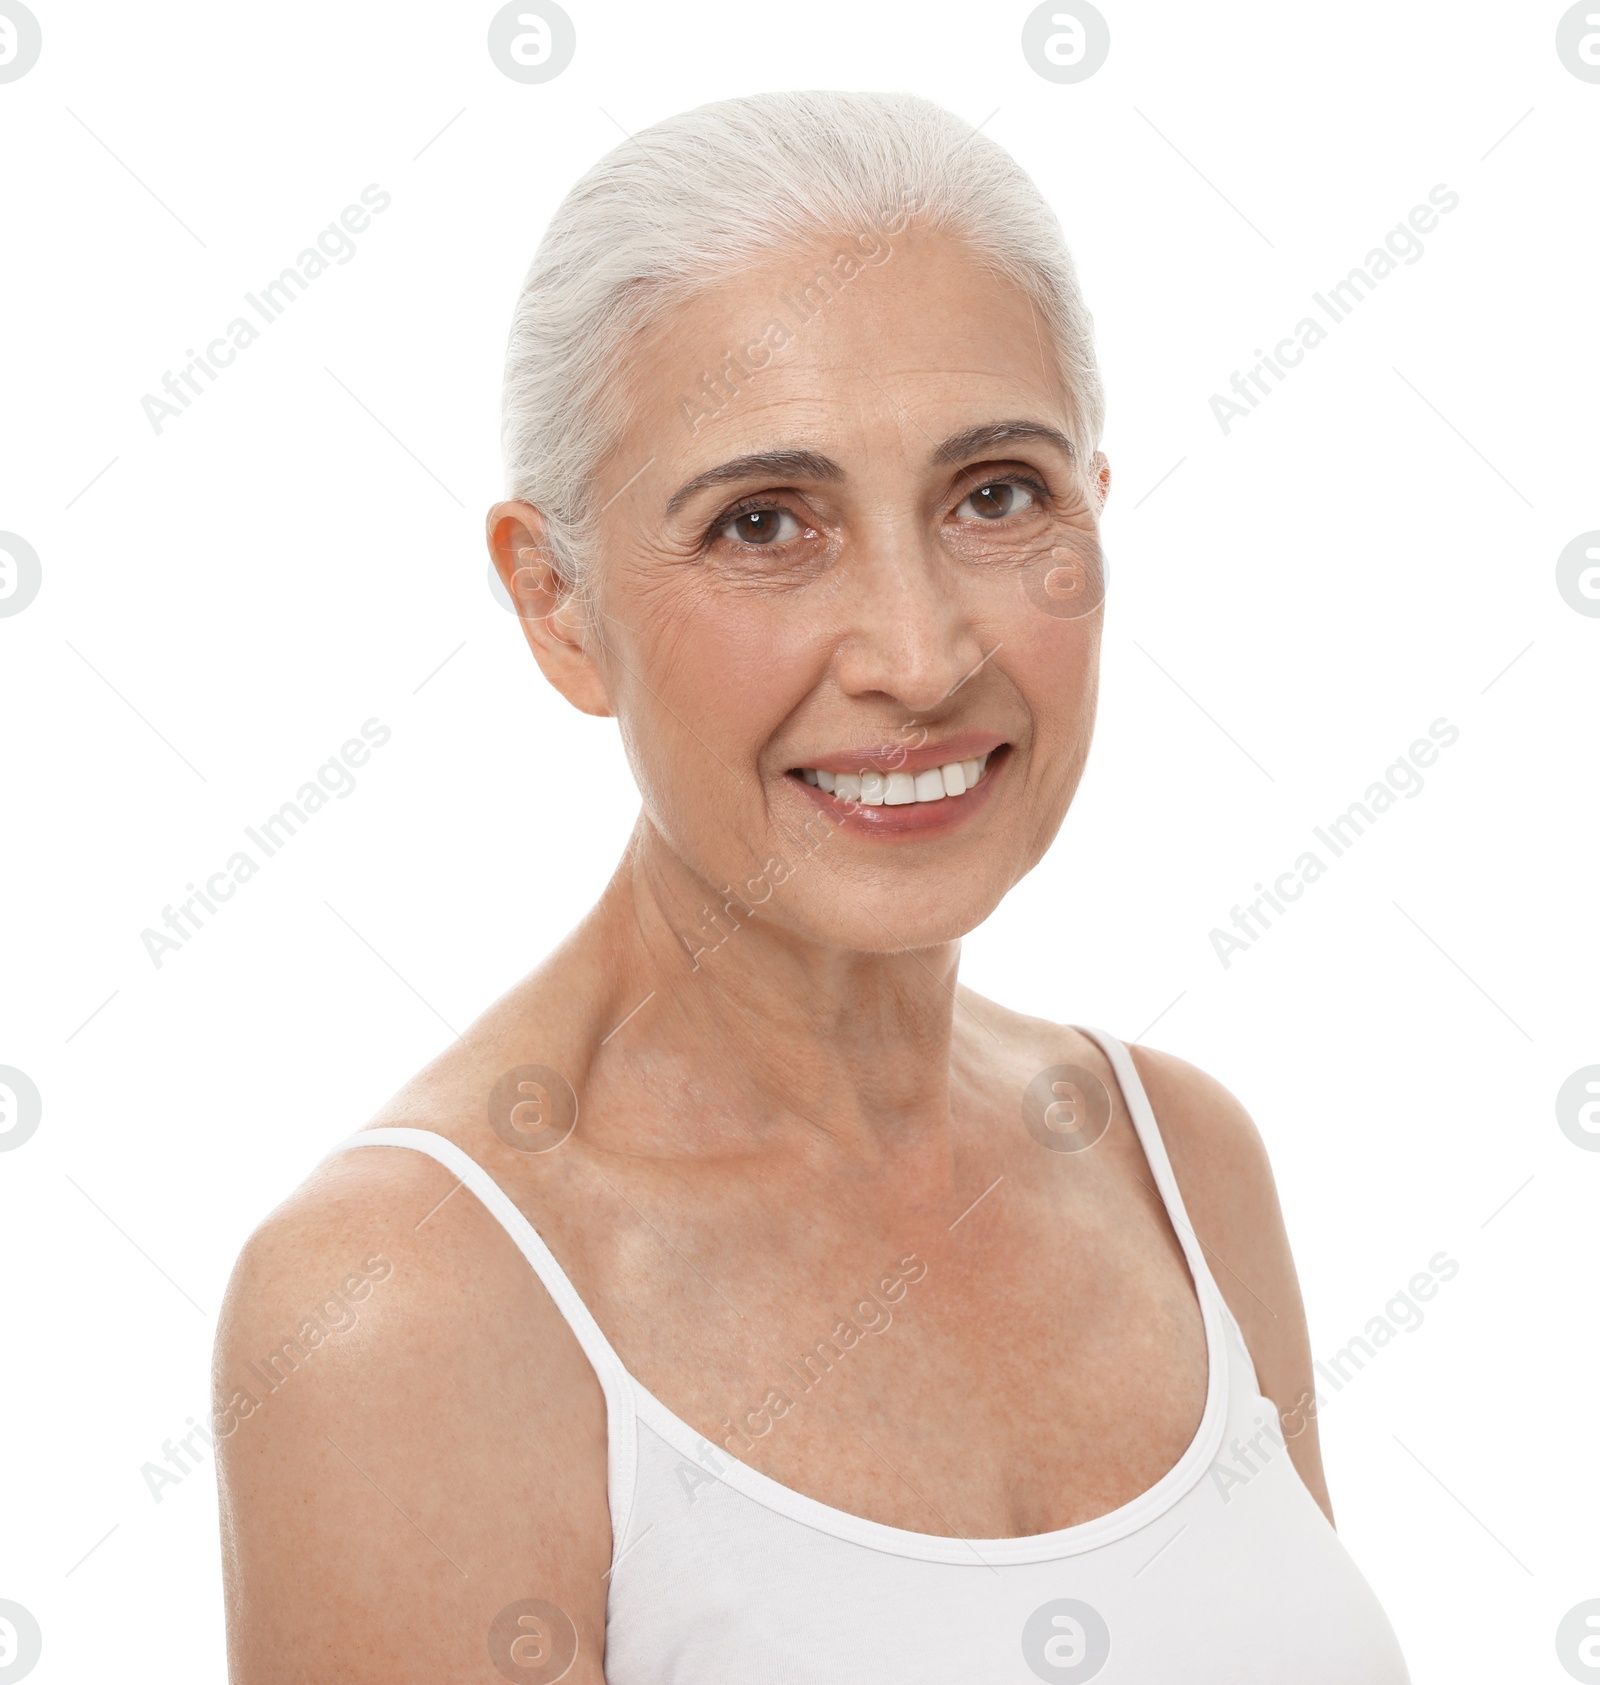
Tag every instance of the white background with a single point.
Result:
(1372, 549)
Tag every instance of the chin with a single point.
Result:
(871, 918)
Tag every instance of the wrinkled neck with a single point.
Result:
(855, 1041)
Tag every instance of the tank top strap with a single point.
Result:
(1155, 1152)
(615, 1382)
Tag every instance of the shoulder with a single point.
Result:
(364, 1213)
(1222, 1170)
(1200, 1121)
(388, 1239)
(1216, 1150)
(408, 1435)
(1217, 1153)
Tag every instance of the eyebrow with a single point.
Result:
(976, 441)
(779, 464)
(812, 465)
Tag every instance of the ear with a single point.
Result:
(1100, 472)
(552, 617)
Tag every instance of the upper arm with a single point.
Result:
(1226, 1180)
(409, 1441)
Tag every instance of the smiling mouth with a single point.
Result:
(899, 789)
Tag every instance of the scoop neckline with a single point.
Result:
(1138, 1512)
(629, 1402)
(1148, 1506)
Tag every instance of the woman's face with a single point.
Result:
(873, 554)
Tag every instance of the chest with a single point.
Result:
(1026, 1363)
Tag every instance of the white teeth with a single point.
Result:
(898, 789)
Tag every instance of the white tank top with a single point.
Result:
(1225, 1572)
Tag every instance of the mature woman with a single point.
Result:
(741, 1298)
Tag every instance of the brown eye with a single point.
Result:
(994, 501)
(761, 526)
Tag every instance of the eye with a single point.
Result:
(758, 526)
(994, 501)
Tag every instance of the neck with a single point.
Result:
(856, 1043)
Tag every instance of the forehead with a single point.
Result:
(854, 345)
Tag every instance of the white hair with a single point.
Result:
(689, 200)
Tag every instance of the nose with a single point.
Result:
(907, 632)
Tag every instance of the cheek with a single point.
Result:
(703, 683)
(723, 661)
(752, 662)
(1055, 663)
(1055, 666)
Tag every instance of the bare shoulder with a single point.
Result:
(409, 1438)
(1216, 1150)
(1223, 1173)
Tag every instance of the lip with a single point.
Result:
(902, 757)
(913, 819)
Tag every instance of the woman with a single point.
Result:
(741, 1298)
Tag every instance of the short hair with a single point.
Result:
(683, 203)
